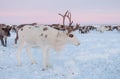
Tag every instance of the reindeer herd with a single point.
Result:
(54, 36)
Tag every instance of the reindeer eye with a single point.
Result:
(71, 35)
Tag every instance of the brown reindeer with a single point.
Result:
(4, 33)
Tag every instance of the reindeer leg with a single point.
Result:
(45, 58)
(5, 42)
(19, 52)
(2, 41)
(16, 40)
(16, 37)
(30, 55)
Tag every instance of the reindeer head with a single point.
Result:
(69, 28)
(6, 30)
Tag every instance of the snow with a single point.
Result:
(97, 57)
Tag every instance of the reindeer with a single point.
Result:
(118, 28)
(44, 37)
(4, 33)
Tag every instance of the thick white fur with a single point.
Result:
(31, 36)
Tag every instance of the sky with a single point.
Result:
(46, 11)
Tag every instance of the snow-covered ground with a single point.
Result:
(98, 57)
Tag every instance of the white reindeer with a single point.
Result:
(46, 38)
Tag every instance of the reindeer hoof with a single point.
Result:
(19, 65)
(34, 62)
(4, 45)
(49, 66)
(43, 69)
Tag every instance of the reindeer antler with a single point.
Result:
(63, 16)
(68, 15)
(69, 18)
